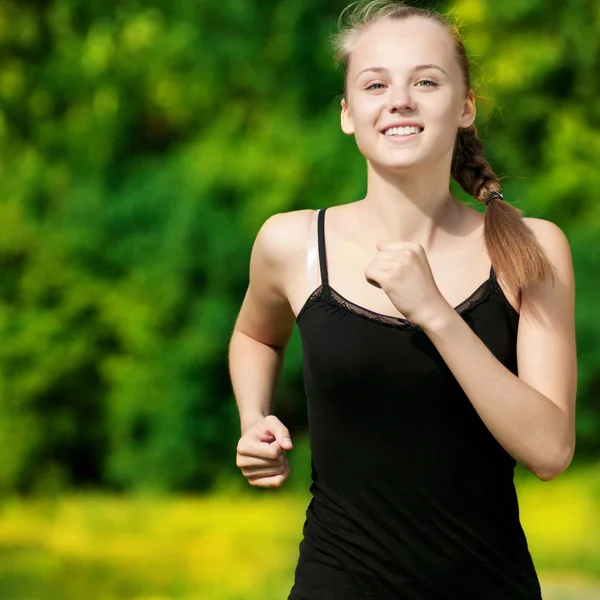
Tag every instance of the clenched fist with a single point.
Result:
(402, 271)
(261, 453)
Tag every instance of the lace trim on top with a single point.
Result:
(328, 294)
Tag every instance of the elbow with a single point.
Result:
(548, 475)
(551, 468)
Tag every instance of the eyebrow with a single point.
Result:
(416, 68)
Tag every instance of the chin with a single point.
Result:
(397, 160)
(395, 166)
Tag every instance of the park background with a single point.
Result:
(143, 144)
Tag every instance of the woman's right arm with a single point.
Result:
(257, 347)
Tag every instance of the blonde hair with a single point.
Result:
(512, 246)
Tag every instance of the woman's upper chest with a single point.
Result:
(458, 266)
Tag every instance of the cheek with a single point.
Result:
(441, 119)
(365, 131)
(366, 116)
(363, 116)
(449, 111)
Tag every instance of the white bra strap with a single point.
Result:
(312, 255)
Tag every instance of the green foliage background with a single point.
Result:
(143, 143)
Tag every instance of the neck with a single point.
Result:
(414, 207)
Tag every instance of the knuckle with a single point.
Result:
(272, 452)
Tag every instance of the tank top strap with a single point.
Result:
(322, 253)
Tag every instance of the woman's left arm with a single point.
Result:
(533, 415)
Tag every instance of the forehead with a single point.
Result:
(402, 43)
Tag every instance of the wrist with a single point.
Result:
(247, 420)
(438, 319)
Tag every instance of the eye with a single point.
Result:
(372, 86)
(433, 83)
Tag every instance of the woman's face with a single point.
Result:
(386, 87)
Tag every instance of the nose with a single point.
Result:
(400, 99)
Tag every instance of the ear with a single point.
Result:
(467, 118)
(346, 119)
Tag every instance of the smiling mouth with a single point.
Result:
(402, 131)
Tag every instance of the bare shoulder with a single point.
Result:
(282, 237)
(266, 313)
(545, 229)
(553, 242)
(551, 302)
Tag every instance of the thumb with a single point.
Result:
(282, 436)
(274, 428)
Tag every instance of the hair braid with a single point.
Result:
(512, 246)
(470, 168)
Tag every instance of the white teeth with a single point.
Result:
(402, 130)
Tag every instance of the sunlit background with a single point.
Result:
(144, 142)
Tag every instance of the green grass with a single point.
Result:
(232, 547)
(97, 547)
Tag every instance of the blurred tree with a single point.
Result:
(143, 145)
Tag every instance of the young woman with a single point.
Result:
(438, 341)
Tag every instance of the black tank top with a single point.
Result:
(412, 496)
